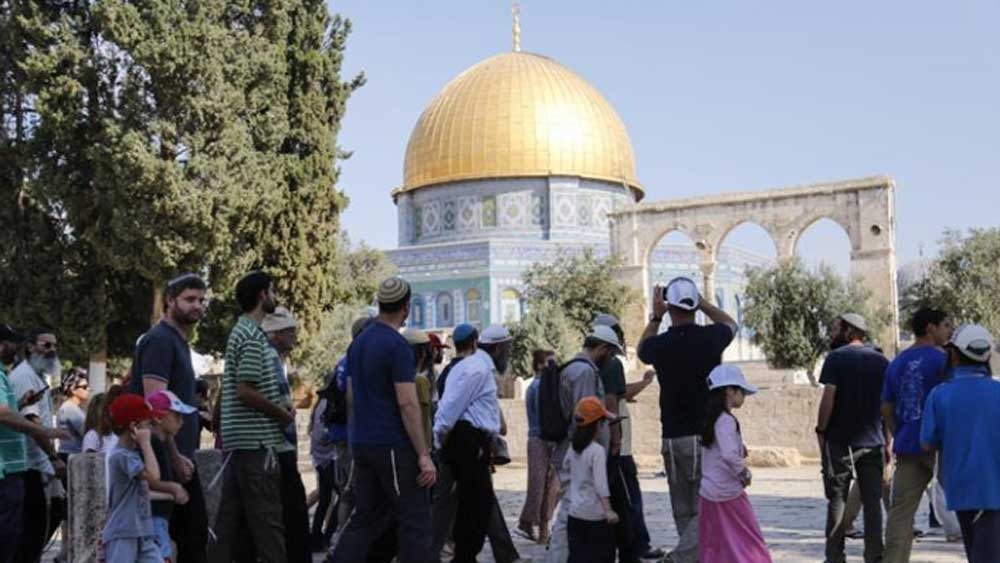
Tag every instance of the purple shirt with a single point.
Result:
(723, 464)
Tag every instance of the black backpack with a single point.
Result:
(336, 402)
(553, 421)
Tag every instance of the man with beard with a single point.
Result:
(252, 424)
(42, 516)
(162, 362)
(852, 439)
(579, 378)
(467, 420)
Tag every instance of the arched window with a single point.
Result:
(510, 306)
(417, 312)
(445, 310)
(473, 307)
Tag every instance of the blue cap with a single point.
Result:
(463, 332)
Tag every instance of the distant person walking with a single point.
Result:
(850, 433)
(543, 482)
(961, 419)
(71, 415)
(683, 356)
(392, 465)
(727, 527)
(909, 378)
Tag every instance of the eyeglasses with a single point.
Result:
(47, 345)
(84, 386)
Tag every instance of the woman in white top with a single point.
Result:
(590, 528)
(728, 530)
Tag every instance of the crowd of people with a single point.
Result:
(405, 446)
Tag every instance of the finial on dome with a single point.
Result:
(515, 10)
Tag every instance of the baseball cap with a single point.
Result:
(591, 409)
(495, 334)
(436, 341)
(605, 319)
(726, 375)
(129, 408)
(393, 290)
(167, 401)
(415, 336)
(973, 342)
(463, 332)
(682, 293)
(855, 320)
(605, 334)
(280, 319)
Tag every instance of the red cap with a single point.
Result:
(129, 408)
(436, 341)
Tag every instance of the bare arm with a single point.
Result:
(653, 327)
(151, 384)
(633, 389)
(717, 315)
(825, 409)
(409, 408)
(252, 399)
(151, 473)
(889, 417)
(40, 434)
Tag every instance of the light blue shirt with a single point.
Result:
(471, 395)
(129, 512)
(531, 407)
(961, 418)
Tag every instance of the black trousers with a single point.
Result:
(621, 502)
(590, 541)
(41, 518)
(11, 516)
(327, 478)
(981, 534)
(387, 496)
(467, 454)
(840, 464)
(189, 524)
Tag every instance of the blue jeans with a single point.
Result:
(137, 550)
(387, 496)
(161, 533)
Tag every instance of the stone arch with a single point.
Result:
(864, 208)
(737, 225)
(819, 229)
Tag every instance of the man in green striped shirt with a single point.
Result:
(252, 419)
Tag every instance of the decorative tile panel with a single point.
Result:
(565, 212)
(584, 211)
(468, 213)
(432, 218)
(513, 209)
(489, 211)
(448, 215)
(538, 208)
(602, 206)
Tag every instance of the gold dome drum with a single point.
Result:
(516, 115)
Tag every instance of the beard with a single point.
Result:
(8, 354)
(46, 365)
(838, 341)
(501, 363)
(187, 318)
(269, 305)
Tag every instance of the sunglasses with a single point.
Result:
(84, 386)
(47, 345)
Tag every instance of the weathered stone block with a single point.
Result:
(769, 456)
(87, 506)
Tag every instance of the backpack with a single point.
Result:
(553, 421)
(336, 402)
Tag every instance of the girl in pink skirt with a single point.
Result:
(728, 531)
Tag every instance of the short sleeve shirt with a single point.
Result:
(613, 377)
(70, 418)
(247, 362)
(858, 372)
(164, 354)
(908, 380)
(24, 379)
(129, 511)
(683, 357)
(378, 359)
(13, 449)
(588, 482)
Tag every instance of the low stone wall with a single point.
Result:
(87, 499)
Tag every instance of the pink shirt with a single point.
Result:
(723, 463)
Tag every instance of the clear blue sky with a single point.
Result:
(717, 97)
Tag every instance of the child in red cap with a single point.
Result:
(590, 528)
(128, 534)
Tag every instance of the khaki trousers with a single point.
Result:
(909, 481)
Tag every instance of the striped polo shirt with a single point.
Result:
(247, 362)
(13, 451)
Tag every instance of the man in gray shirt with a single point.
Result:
(579, 378)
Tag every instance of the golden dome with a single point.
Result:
(518, 114)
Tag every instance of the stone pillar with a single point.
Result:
(86, 506)
(876, 269)
(708, 280)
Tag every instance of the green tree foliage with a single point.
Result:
(562, 299)
(964, 280)
(789, 309)
(141, 140)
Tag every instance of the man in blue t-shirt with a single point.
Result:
(393, 467)
(850, 433)
(908, 380)
(961, 418)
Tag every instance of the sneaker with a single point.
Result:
(855, 534)
(654, 554)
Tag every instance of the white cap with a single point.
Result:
(973, 342)
(415, 336)
(280, 319)
(495, 334)
(725, 375)
(683, 293)
(605, 319)
(855, 320)
(605, 334)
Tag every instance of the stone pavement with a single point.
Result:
(789, 503)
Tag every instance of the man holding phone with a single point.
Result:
(683, 357)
